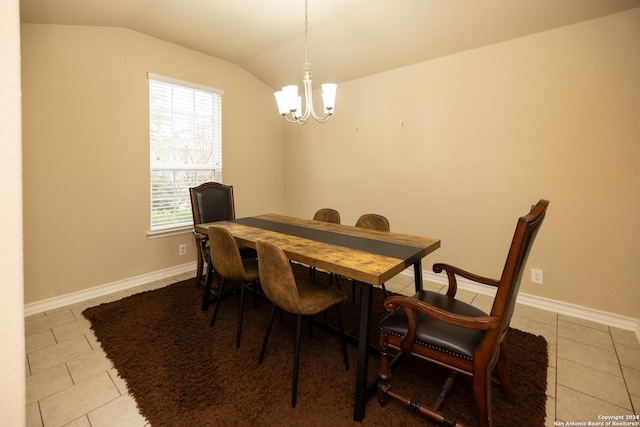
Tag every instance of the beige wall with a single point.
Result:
(455, 148)
(86, 155)
(459, 147)
(12, 368)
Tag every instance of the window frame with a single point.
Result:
(178, 223)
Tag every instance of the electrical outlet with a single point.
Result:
(536, 276)
(182, 249)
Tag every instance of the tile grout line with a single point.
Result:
(626, 384)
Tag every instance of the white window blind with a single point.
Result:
(185, 122)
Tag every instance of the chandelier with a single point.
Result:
(290, 103)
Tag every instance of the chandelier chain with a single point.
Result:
(307, 66)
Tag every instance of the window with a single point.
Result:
(185, 122)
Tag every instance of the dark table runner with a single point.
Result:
(393, 250)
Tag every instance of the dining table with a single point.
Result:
(369, 257)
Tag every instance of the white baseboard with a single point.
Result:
(109, 288)
(560, 307)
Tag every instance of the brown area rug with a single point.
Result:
(181, 372)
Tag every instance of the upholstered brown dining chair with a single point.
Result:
(210, 202)
(327, 215)
(371, 222)
(228, 263)
(332, 216)
(440, 329)
(302, 297)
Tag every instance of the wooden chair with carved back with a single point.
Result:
(440, 329)
(210, 202)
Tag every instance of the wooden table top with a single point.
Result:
(368, 256)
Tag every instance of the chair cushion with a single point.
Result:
(316, 297)
(434, 333)
(251, 269)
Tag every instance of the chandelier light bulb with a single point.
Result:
(290, 103)
(329, 97)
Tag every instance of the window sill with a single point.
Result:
(156, 234)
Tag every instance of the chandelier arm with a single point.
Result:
(309, 108)
(294, 120)
(292, 115)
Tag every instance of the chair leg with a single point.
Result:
(218, 300)
(296, 363)
(503, 372)
(199, 269)
(384, 291)
(384, 373)
(444, 391)
(240, 315)
(334, 276)
(266, 334)
(482, 396)
(343, 342)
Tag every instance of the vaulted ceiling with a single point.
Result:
(347, 39)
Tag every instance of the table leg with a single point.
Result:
(366, 298)
(417, 275)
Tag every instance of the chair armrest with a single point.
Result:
(412, 305)
(202, 240)
(200, 235)
(453, 271)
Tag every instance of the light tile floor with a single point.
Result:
(594, 370)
